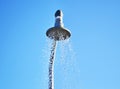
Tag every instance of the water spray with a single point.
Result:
(56, 33)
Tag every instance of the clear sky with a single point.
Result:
(95, 28)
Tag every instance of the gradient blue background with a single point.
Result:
(95, 28)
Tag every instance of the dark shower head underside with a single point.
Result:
(58, 33)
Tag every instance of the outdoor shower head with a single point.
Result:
(58, 32)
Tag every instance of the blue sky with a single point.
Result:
(95, 28)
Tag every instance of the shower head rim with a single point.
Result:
(58, 33)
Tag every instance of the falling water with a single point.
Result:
(51, 65)
(63, 47)
(63, 64)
